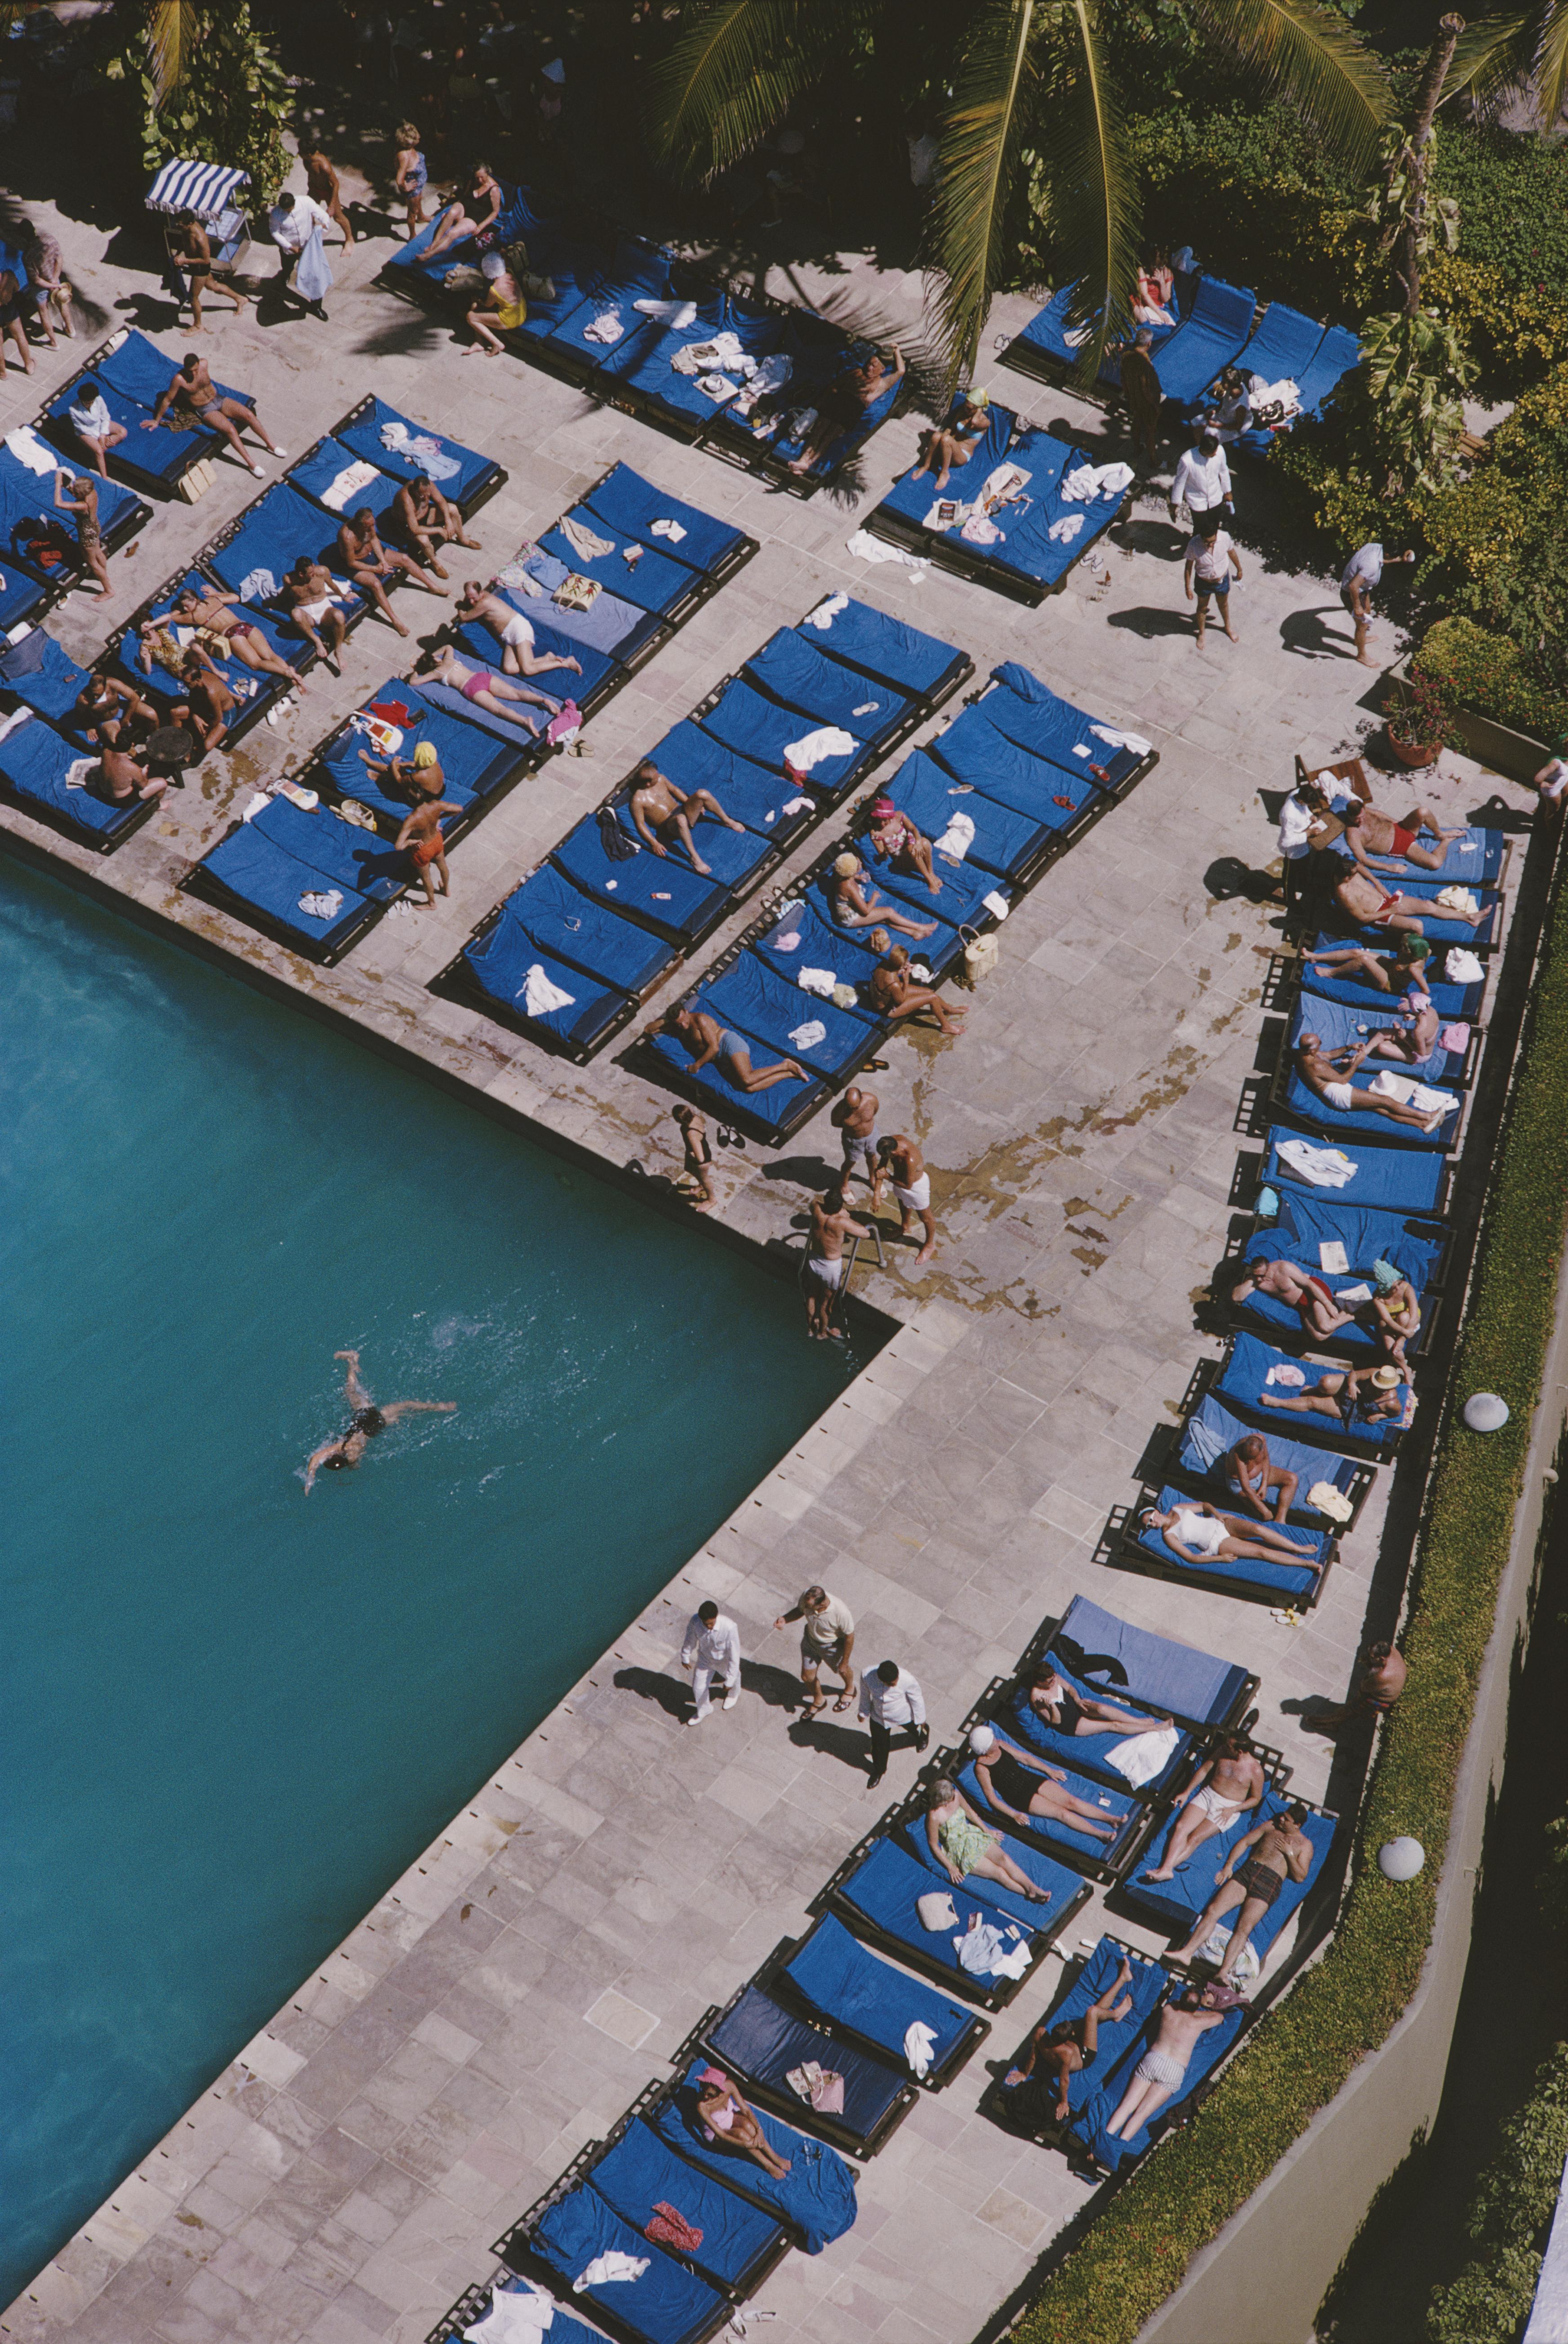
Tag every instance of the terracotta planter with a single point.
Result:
(1413, 753)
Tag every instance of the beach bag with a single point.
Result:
(312, 276)
(937, 1911)
(980, 956)
(576, 593)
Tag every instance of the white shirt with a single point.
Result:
(1366, 565)
(292, 231)
(1211, 558)
(716, 1648)
(892, 1705)
(1296, 821)
(1201, 480)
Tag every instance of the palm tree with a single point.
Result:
(1522, 58)
(173, 29)
(738, 66)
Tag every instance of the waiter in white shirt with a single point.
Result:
(711, 1651)
(1361, 573)
(891, 1701)
(1202, 481)
(293, 220)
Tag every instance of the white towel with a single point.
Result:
(958, 838)
(826, 612)
(322, 905)
(1283, 393)
(77, 772)
(1462, 968)
(420, 450)
(586, 543)
(1133, 740)
(721, 350)
(807, 1036)
(348, 483)
(771, 375)
(996, 902)
(866, 547)
(540, 997)
(1065, 529)
(613, 2265)
(677, 314)
(257, 586)
(606, 327)
(826, 741)
(514, 2317)
(669, 529)
(813, 980)
(986, 1951)
(1413, 1093)
(1327, 1500)
(1143, 1755)
(919, 2045)
(1332, 1257)
(259, 801)
(1088, 481)
(18, 716)
(29, 450)
(1284, 1373)
(1359, 1292)
(1325, 1167)
(796, 805)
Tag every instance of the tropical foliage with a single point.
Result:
(1490, 2301)
(204, 85)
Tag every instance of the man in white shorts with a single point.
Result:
(1327, 1073)
(830, 1225)
(1226, 1786)
(519, 656)
(899, 1160)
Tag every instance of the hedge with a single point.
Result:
(1302, 2052)
(1488, 674)
(1490, 2301)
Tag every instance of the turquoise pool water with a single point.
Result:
(233, 1714)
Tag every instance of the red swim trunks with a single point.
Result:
(1403, 840)
(425, 850)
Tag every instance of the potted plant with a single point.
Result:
(1421, 723)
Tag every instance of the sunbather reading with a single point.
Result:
(1319, 1314)
(895, 841)
(1328, 1075)
(1163, 2066)
(959, 1840)
(1019, 1786)
(951, 444)
(710, 1043)
(1056, 1704)
(204, 407)
(123, 779)
(732, 2125)
(519, 656)
(1226, 1786)
(1197, 1533)
(1369, 831)
(345, 1449)
(1354, 1396)
(425, 520)
(856, 904)
(1057, 2052)
(664, 813)
(1407, 968)
(1250, 1471)
(370, 563)
(1271, 1854)
(105, 705)
(313, 597)
(228, 630)
(893, 993)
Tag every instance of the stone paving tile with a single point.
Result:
(439, 2070)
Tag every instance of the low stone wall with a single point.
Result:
(1514, 754)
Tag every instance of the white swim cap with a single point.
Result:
(982, 1740)
(492, 266)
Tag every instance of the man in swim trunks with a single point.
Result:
(899, 1160)
(1356, 1397)
(661, 812)
(519, 656)
(1163, 2066)
(1407, 968)
(1199, 1533)
(346, 1448)
(417, 781)
(420, 839)
(104, 706)
(1022, 1787)
(123, 779)
(230, 635)
(1328, 1075)
(1250, 1471)
(1258, 1868)
(855, 1120)
(710, 1043)
(1364, 901)
(824, 1273)
(494, 694)
(1319, 1314)
(826, 1642)
(311, 595)
(1225, 1786)
(1367, 831)
(894, 993)
(1361, 573)
(202, 407)
(1066, 2049)
(425, 520)
(370, 563)
(856, 904)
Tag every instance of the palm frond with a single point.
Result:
(734, 71)
(172, 33)
(1094, 187)
(981, 132)
(1549, 74)
(1307, 53)
(1494, 53)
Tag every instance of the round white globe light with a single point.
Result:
(1400, 1859)
(1486, 1412)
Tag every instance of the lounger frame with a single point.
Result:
(513, 2244)
(1040, 1643)
(1266, 1985)
(207, 888)
(1278, 1096)
(786, 2104)
(203, 559)
(1285, 981)
(950, 553)
(59, 433)
(773, 1978)
(493, 478)
(1247, 1180)
(993, 2100)
(1119, 1547)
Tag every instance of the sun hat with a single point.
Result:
(425, 754)
(847, 866)
(882, 807)
(1385, 1274)
(1387, 1378)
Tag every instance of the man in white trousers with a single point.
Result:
(711, 1651)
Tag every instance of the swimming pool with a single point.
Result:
(233, 1713)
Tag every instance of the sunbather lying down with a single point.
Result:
(958, 1839)
(732, 2124)
(493, 694)
(1329, 1075)
(1197, 1533)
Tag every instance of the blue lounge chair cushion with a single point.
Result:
(1340, 1024)
(914, 494)
(1211, 1430)
(1336, 355)
(795, 673)
(363, 438)
(1308, 1222)
(1025, 547)
(637, 271)
(1030, 1912)
(1282, 1577)
(962, 900)
(661, 890)
(1175, 1903)
(1123, 1813)
(1004, 841)
(667, 2303)
(611, 624)
(563, 2329)
(561, 920)
(1054, 796)
(344, 854)
(817, 2196)
(139, 370)
(641, 2171)
(1281, 350)
(154, 457)
(1357, 992)
(752, 997)
(651, 582)
(1206, 341)
(760, 2040)
(22, 596)
(646, 370)
(1088, 2127)
(759, 729)
(480, 644)
(1244, 1378)
(804, 937)
(843, 1980)
(269, 537)
(314, 473)
(473, 762)
(48, 690)
(937, 952)
(1390, 1178)
(913, 662)
(34, 761)
(886, 1886)
(752, 793)
(501, 962)
(1379, 1131)
(1099, 1973)
(1158, 1672)
(780, 1102)
(264, 874)
(1031, 714)
(624, 501)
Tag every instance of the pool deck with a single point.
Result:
(508, 1999)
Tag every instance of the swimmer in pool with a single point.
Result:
(335, 1456)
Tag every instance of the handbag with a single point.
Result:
(981, 954)
(576, 593)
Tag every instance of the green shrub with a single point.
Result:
(1475, 669)
(1513, 2206)
(229, 107)
(1302, 2051)
(1513, 195)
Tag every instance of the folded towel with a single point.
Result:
(1327, 1500)
(1284, 1373)
(807, 1036)
(1462, 968)
(796, 805)
(348, 483)
(28, 449)
(606, 327)
(826, 612)
(814, 980)
(1065, 529)
(322, 905)
(996, 903)
(586, 543)
(669, 529)
(958, 838)
(1143, 1755)
(518, 2314)
(1325, 1167)
(540, 997)
(1133, 740)
(1088, 481)
(1458, 899)
(920, 2040)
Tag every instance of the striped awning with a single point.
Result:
(205, 188)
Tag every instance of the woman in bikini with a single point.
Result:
(951, 444)
(492, 692)
(1068, 2048)
(893, 993)
(82, 501)
(731, 2124)
(413, 174)
(229, 634)
(896, 841)
(856, 904)
(105, 705)
(961, 1844)
(1056, 1704)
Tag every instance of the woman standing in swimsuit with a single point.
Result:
(960, 1842)
(346, 1448)
(82, 501)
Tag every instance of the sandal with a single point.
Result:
(842, 1704)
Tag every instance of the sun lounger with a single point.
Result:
(922, 667)
(1264, 1580)
(744, 719)
(1007, 845)
(664, 2303)
(605, 291)
(43, 542)
(799, 676)
(1097, 1856)
(1334, 358)
(1030, 2105)
(661, 892)
(1060, 801)
(130, 374)
(1437, 928)
(602, 673)
(1086, 2131)
(772, 1013)
(967, 898)
(1281, 348)
(474, 764)
(1418, 1249)
(1357, 991)
(770, 1115)
(1362, 1127)
(652, 582)
(48, 688)
(816, 2198)
(853, 1992)
(363, 431)
(476, 2303)
(1049, 347)
(320, 472)
(607, 963)
(1340, 1025)
(909, 1838)
(507, 964)
(1211, 1431)
(34, 761)
(880, 1895)
(1389, 1177)
(260, 871)
(1206, 341)
(938, 952)
(802, 936)
(639, 2171)
(627, 504)
(1243, 1377)
(1175, 1903)
(254, 555)
(257, 689)
(756, 794)
(757, 2041)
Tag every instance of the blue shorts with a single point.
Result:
(1204, 587)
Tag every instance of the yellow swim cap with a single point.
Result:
(425, 754)
(847, 866)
